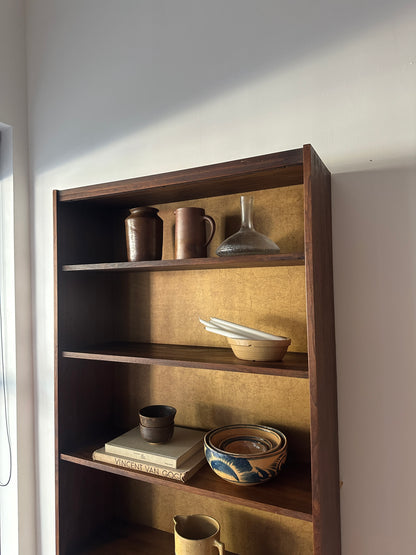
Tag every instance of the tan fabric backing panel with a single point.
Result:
(208, 399)
(278, 214)
(156, 506)
(164, 308)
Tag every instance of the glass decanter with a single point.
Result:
(247, 240)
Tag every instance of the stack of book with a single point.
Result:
(179, 459)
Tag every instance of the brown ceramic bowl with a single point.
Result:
(162, 434)
(157, 423)
(157, 416)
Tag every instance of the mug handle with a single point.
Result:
(212, 229)
(220, 547)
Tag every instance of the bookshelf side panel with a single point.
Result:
(321, 353)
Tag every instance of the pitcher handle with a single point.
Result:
(220, 547)
(212, 229)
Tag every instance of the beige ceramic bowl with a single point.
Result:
(260, 349)
(245, 454)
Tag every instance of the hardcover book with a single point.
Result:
(182, 474)
(184, 443)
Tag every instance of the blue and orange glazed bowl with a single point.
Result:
(245, 454)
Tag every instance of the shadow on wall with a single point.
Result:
(95, 79)
(374, 234)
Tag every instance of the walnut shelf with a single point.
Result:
(119, 329)
(289, 494)
(125, 539)
(254, 261)
(212, 358)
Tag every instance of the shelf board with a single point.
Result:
(280, 169)
(293, 365)
(289, 494)
(129, 539)
(246, 261)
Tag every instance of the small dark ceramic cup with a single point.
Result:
(157, 423)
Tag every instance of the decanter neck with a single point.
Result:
(246, 212)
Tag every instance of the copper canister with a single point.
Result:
(144, 234)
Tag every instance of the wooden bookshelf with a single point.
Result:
(127, 334)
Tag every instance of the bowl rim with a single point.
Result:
(276, 450)
(162, 410)
(260, 342)
(157, 416)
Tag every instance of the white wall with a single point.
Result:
(122, 89)
(17, 500)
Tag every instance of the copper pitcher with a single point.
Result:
(191, 236)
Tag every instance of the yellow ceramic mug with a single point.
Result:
(197, 535)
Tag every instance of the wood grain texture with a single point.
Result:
(321, 350)
(129, 539)
(86, 506)
(124, 539)
(289, 494)
(253, 261)
(211, 358)
(261, 172)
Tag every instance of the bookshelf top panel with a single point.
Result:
(281, 169)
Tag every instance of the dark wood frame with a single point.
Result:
(311, 495)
